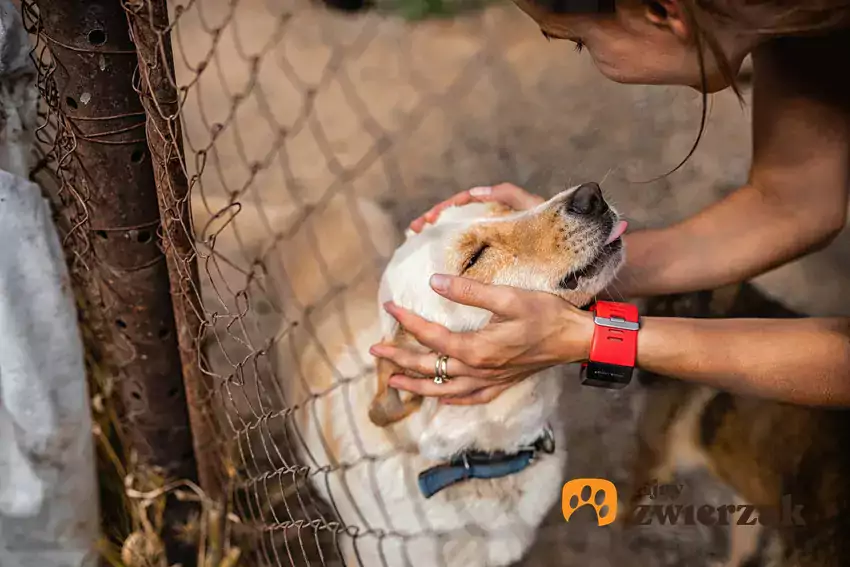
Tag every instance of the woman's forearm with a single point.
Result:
(744, 235)
(803, 361)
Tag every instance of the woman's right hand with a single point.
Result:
(506, 193)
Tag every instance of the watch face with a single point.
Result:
(602, 375)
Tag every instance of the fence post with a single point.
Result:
(127, 280)
(150, 28)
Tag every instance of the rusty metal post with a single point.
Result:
(127, 283)
(151, 33)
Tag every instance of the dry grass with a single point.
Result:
(133, 497)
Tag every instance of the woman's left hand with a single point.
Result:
(529, 331)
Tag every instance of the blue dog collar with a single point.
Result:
(481, 465)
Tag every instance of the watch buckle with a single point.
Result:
(615, 322)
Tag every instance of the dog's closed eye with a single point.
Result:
(475, 257)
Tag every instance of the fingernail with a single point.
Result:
(480, 191)
(439, 282)
(375, 350)
(388, 306)
(394, 381)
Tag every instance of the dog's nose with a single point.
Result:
(586, 200)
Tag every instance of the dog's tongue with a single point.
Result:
(617, 232)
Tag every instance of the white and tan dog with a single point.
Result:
(371, 445)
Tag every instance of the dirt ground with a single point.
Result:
(411, 113)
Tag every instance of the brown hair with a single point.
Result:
(767, 17)
(775, 17)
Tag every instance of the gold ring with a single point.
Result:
(441, 369)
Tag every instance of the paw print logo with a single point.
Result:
(598, 493)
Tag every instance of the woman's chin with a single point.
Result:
(644, 77)
(612, 69)
(616, 73)
(633, 77)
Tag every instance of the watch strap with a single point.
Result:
(613, 349)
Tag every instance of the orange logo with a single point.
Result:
(599, 493)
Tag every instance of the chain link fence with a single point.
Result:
(275, 120)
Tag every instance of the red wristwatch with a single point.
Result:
(613, 350)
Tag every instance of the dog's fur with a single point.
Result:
(368, 441)
(762, 449)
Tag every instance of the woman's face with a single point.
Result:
(643, 43)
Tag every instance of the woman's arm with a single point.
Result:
(796, 197)
(803, 361)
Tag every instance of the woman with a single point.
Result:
(794, 202)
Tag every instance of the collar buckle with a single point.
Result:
(464, 457)
(546, 443)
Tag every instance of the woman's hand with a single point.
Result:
(505, 193)
(529, 331)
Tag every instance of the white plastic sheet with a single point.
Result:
(48, 489)
(48, 496)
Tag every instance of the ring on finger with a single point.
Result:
(441, 369)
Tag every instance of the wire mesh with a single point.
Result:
(292, 165)
(286, 117)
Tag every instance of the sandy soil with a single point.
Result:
(410, 113)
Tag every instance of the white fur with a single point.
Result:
(368, 473)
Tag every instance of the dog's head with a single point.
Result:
(569, 246)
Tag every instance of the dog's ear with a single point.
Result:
(387, 406)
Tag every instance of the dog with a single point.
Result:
(395, 467)
(789, 463)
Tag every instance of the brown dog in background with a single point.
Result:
(764, 450)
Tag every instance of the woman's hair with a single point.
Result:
(774, 17)
(765, 17)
